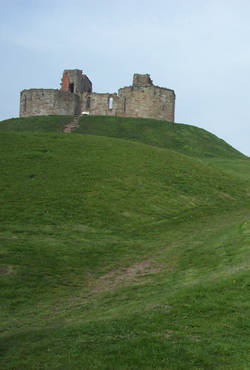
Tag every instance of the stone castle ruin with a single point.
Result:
(142, 99)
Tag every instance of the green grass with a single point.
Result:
(36, 123)
(116, 254)
(185, 139)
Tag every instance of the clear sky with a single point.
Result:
(199, 48)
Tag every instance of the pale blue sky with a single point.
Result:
(201, 49)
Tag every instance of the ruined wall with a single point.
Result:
(149, 102)
(65, 83)
(38, 102)
(101, 104)
(141, 80)
(142, 99)
(74, 81)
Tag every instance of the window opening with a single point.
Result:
(88, 103)
(71, 87)
(25, 103)
(111, 103)
(125, 102)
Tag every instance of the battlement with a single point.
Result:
(142, 99)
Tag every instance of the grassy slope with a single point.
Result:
(120, 255)
(184, 139)
(35, 124)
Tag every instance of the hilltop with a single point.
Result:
(123, 245)
(184, 139)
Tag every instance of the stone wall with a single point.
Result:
(101, 104)
(74, 81)
(150, 102)
(142, 80)
(39, 102)
(142, 99)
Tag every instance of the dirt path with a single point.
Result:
(72, 125)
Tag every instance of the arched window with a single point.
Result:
(88, 102)
(111, 102)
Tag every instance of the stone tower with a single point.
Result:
(75, 82)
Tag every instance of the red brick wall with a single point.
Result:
(65, 83)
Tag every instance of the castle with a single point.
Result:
(142, 99)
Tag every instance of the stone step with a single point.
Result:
(71, 126)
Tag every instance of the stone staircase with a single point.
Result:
(71, 126)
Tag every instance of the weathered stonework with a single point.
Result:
(142, 99)
(74, 81)
(40, 102)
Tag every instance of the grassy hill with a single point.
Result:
(184, 139)
(117, 254)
